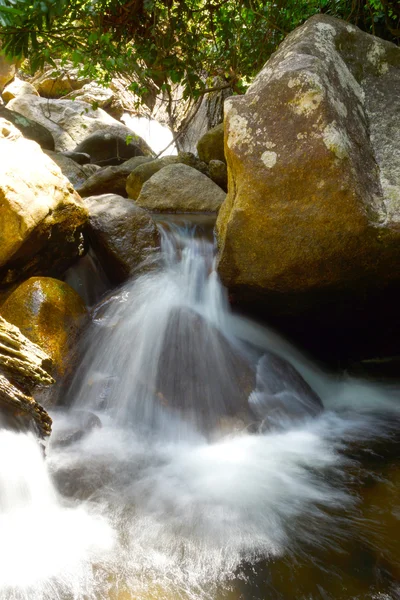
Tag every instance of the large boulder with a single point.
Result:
(69, 121)
(112, 179)
(112, 146)
(143, 172)
(123, 235)
(57, 82)
(41, 216)
(16, 88)
(49, 313)
(29, 129)
(23, 367)
(179, 188)
(313, 149)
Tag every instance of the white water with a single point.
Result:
(153, 504)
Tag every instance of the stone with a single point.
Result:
(56, 82)
(218, 172)
(94, 94)
(71, 169)
(202, 374)
(29, 129)
(42, 218)
(112, 179)
(211, 145)
(49, 313)
(23, 367)
(312, 216)
(79, 157)
(112, 147)
(179, 188)
(69, 121)
(143, 172)
(123, 236)
(16, 88)
(281, 393)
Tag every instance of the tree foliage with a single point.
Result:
(181, 41)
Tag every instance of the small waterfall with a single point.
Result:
(158, 485)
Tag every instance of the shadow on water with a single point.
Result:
(202, 457)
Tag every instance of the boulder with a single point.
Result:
(202, 374)
(69, 121)
(23, 367)
(211, 145)
(7, 71)
(281, 392)
(143, 172)
(57, 82)
(29, 129)
(312, 216)
(16, 88)
(123, 235)
(41, 216)
(113, 179)
(218, 172)
(49, 313)
(94, 94)
(79, 157)
(179, 188)
(113, 146)
(71, 169)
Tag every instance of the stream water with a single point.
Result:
(162, 482)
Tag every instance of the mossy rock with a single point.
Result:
(143, 172)
(211, 145)
(49, 313)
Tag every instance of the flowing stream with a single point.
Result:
(192, 461)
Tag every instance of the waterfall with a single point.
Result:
(165, 477)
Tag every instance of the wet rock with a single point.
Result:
(29, 129)
(42, 217)
(16, 88)
(50, 313)
(78, 425)
(218, 172)
(312, 214)
(202, 374)
(281, 392)
(123, 235)
(179, 188)
(143, 172)
(23, 367)
(112, 179)
(211, 145)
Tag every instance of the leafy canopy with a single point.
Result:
(180, 41)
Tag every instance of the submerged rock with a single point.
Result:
(179, 188)
(202, 374)
(42, 217)
(123, 236)
(50, 313)
(23, 366)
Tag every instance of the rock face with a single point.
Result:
(179, 188)
(111, 180)
(41, 216)
(23, 366)
(69, 121)
(313, 152)
(48, 312)
(29, 129)
(123, 235)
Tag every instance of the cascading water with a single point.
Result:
(171, 485)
